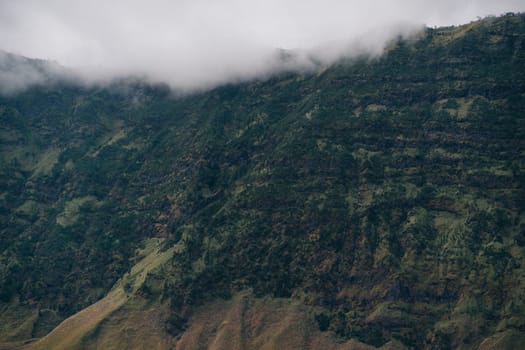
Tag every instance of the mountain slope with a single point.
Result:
(383, 195)
(71, 332)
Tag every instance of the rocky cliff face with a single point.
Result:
(377, 201)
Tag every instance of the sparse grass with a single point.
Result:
(375, 108)
(9, 136)
(111, 139)
(29, 208)
(71, 332)
(46, 162)
(18, 322)
(136, 325)
(71, 210)
(446, 221)
(446, 36)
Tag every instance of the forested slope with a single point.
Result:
(383, 196)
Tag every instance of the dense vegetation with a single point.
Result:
(386, 192)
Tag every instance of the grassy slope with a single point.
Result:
(246, 322)
(71, 333)
(124, 319)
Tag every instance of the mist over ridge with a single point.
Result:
(196, 45)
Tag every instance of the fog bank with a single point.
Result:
(196, 44)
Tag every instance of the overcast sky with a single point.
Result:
(199, 43)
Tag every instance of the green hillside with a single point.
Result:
(376, 201)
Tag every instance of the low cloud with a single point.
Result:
(196, 44)
(18, 72)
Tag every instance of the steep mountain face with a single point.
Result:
(377, 201)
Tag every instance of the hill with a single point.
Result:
(375, 202)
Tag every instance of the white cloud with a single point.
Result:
(199, 43)
(17, 73)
